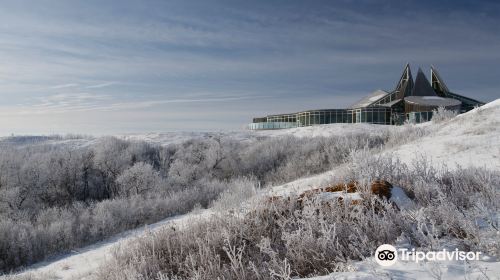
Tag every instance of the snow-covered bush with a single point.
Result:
(401, 135)
(86, 193)
(457, 204)
(441, 115)
(279, 239)
(235, 195)
(141, 178)
(273, 241)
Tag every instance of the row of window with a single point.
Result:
(375, 115)
(419, 117)
(324, 117)
(282, 118)
(272, 125)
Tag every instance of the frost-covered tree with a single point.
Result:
(138, 180)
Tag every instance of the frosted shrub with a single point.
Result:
(281, 240)
(138, 179)
(449, 203)
(235, 195)
(55, 230)
(272, 241)
(400, 135)
(441, 115)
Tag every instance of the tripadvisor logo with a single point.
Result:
(387, 255)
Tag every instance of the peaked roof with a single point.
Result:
(405, 83)
(437, 83)
(405, 77)
(422, 86)
(406, 87)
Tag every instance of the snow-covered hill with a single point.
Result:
(247, 135)
(471, 139)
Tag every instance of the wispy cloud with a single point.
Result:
(101, 85)
(65, 102)
(86, 102)
(64, 86)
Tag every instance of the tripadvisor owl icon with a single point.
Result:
(386, 255)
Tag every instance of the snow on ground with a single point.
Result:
(248, 135)
(20, 141)
(167, 138)
(327, 130)
(471, 139)
(399, 197)
(303, 184)
(430, 270)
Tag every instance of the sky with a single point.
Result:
(109, 67)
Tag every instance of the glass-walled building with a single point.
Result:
(326, 116)
(411, 100)
(374, 115)
(271, 125)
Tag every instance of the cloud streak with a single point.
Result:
(101, 85)
(64, 86)
(86, 102)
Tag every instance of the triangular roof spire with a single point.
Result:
(437, 83)
(422, 86)
(405, 83)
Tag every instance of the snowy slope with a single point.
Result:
(71, 141)
(247, 135)
(167, 138)
(328, 130)
(446, 270)
(471, 139)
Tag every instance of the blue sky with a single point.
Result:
(104, 67)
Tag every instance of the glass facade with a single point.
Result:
(419, 117)
(271, 125)
(374, 115)
(282, 118)
(315, 117)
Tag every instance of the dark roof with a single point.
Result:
(438, 83)
(405, 83)
(422, 86)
